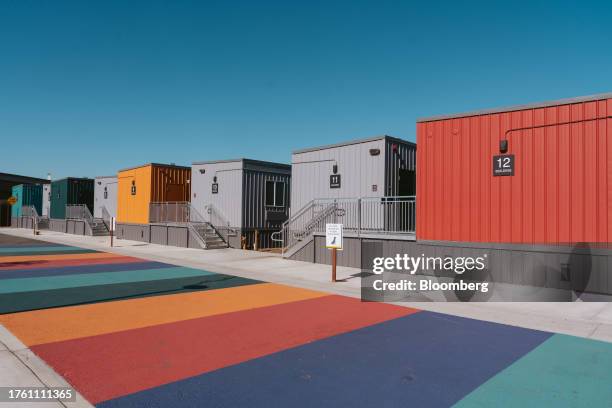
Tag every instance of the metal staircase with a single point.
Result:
(299, 230)
(211, 231)
(81, 212)
(361, 216)
(29, 211)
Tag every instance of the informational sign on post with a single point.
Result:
(333, 240)
(333, 236)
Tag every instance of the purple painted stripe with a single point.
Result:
(81, 269)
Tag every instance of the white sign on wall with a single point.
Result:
(333, 236)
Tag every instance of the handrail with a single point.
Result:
(106, 217)
(30, 211)
(371, 215)
(79, 212)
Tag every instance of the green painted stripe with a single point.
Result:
(37, 249)
(22, 301)
(100, 278)
(564, 371)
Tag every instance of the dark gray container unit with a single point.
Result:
(252, 195)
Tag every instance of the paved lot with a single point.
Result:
(130, 332)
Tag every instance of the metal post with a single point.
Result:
(111, 230)
(334, 264)
(359, 217)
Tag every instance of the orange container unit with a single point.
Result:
(153, 182)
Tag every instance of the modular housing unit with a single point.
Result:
(7, 181)
(26, 195)
(105, 197)
(252, 196)
(381, 166)
(140, 186)
(70, 191)
(368, 185)
(532, 182)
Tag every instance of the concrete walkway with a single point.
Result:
(583, 319)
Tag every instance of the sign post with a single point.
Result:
(333, 241)
(112, 229)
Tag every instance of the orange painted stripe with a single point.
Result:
(49, 257)
(50, 325)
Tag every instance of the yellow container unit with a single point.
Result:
(139, 186)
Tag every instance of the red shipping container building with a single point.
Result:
(561, 189)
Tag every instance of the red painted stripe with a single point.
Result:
(36, 264)
(111, 365)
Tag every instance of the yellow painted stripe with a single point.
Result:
(50, 325)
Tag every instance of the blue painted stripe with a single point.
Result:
(80, 269)
(422, 360)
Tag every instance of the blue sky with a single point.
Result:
(87, 88)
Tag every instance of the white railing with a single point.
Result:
(219, 222)
(30, 211)
(79, 212)
(106, 217)
(367, 215)
(182, 212)
(169, 212)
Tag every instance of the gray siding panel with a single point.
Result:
(228, 198)
(554, 267)
(359, 172)
(110, 201)
(133, 232)
(159, 234)
(178, 236)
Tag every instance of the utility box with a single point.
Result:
(140, 186)
(252, 196)
(105, 196)
(27, 195)
(70, 191)
(381, 166)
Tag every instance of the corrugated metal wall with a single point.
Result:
(70, 191)
(229, 182)
(561, 191)
(359, 171)
(254, 210)
(26, 194)
(109, 201)
(402, 157)
(170, 183)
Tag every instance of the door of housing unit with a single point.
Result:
(405, 209)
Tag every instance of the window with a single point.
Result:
(275, 193)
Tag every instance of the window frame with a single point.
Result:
(275, 198)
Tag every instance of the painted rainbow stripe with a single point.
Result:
(127, 332)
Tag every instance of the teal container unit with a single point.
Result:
(26, 195)
(68, 191)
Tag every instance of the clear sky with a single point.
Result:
(87, 88)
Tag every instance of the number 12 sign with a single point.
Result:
(503, 165)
